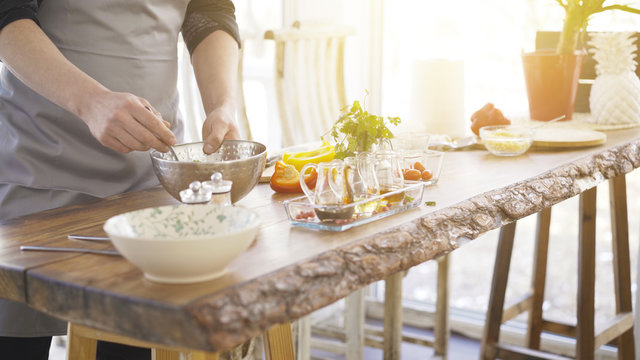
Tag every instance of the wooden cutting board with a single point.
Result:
(565, 137)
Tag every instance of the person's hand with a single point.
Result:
(124, 122)
(218, 126)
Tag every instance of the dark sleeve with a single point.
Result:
(12, 10)
(206, 16)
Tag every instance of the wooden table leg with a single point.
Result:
(621, 263)
(162, 354)
(278, 343)
(441, 321)
(82, 345)
(79, 346)
(534, 323)
(498, 289)
(165, 354)
(586, 276)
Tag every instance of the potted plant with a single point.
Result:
(552, 75)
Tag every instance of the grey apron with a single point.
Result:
(48, 157)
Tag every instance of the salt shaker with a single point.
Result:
(196, 194)
(219, 189)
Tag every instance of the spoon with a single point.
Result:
(459, 144)
(173, 152)
(88, 238)
(69, 249)
(548, 122)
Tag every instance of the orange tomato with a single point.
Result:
(412, 174)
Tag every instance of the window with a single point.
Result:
(489, 36)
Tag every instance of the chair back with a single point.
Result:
(549, 40)
(309, 79)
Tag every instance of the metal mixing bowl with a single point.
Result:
(240, 161)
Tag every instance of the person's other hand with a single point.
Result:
(218, 126)
(124, 122)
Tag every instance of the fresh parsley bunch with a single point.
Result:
(357, 130)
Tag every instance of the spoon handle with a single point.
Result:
(549, 122)
(89, 238)
(173, 153)
(67, 249)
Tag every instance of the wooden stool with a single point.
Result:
(620, 328)
(393, 336)
(83, 342)
(356, 334)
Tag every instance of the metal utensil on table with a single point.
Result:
(548, 122)
(459, 144)
(69, 249)
(88, 238)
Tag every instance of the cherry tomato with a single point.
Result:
(412, 174)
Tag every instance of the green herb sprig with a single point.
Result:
(357, 130)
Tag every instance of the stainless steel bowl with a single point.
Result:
(240, 161)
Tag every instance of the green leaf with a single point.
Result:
(357, 130)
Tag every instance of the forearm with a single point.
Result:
(215, 62)
(27, 51)
(120, 121)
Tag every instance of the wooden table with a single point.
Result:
(288, 272)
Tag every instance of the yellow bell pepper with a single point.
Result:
(299, 159)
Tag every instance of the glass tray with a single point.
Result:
(343, 217)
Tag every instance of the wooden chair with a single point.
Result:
(309, 79)
(618, 331)
(310, 89)
(82, 345)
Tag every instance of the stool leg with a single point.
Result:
(393, 316)
(441, 323)
(586, 276)
(498, 289)
(621, 263)
(278, 343)
(80, 347)
(304, 338)
(167, 354)
(534, 325)
(354, 325)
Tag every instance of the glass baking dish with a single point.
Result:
(343, 217)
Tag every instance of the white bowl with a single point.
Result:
(183, 243)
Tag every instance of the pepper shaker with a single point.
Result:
(195, 194)
(219, 189)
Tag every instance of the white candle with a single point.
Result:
(437, 97)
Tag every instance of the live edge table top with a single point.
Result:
(288, 272)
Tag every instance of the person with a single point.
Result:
(87, 87)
